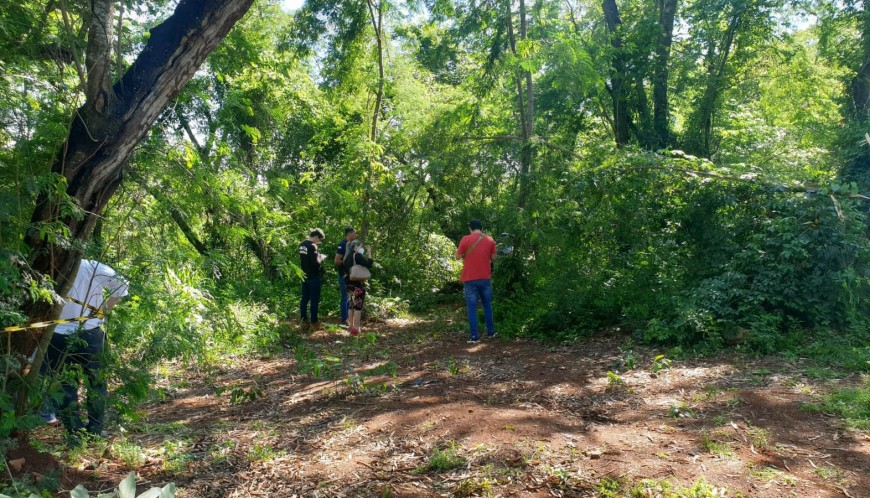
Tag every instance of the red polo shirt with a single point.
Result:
(476, 266)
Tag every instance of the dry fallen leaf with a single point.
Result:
(17, 464)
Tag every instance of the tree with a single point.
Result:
(661, 108)
(113, 120)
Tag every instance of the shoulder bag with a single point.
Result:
(472, 246)
(359, 273)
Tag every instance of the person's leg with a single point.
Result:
(358, 306)
(303, 302)
(345, 301)
(357, 322)
(354, 324)
(69, 349)
(315, 284)
(471, 297)
(486, 297)
(96, 380)
(48, 370)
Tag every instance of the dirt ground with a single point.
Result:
(414, 411)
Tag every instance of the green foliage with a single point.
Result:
(852, 405)
(445, 459)
(660, 362)
(665, 489)
(717, 448)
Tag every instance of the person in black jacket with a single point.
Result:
(356, 289)
(310, 261)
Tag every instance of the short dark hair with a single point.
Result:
(317, 233)
(475, 225)
(348, 230)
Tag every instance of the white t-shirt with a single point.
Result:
(94, 283)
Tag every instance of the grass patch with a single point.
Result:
(852, 405)
(717, 448)
(828, 472)
(443, 459)
(262, 453)
(128, 452)
(176, 458)
(665, 489)
(758, 437)
(474, 486)
(772, 475)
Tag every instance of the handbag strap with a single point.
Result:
(472, 246)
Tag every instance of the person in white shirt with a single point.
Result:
(95, 290)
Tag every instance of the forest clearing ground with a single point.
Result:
(417, 412)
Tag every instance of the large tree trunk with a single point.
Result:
(661, 111)
(111, 123)
(618, 87)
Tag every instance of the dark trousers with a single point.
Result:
(345, 301)
(310, 293)
(85, 350)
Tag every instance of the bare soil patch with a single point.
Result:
(417, 412)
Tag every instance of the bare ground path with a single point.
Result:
(416, 412)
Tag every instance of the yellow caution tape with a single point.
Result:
(98, 313)
(39, 325)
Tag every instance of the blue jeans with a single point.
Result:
(479, 290)
(345, 301)
(85, 349)
(310, 292)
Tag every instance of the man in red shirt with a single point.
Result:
(477, 251)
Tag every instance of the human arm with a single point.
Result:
(361, 259)
(111, 302)
(462, 249)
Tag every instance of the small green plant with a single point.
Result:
(732, 402)
(614, 381)
(474, 486)
(239, 394)
(660, 363)
(175, 458)
(770, 474)
(628, 360)
(680, 410)
(262, 453)
(758, 437)
(608, 488)
(129, 453)
(666, 489)
(717, 448)
(446, 459)
(127, 489)
(452, 366)
(828, 472)
(390, 368)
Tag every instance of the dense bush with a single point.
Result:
(683, 252)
